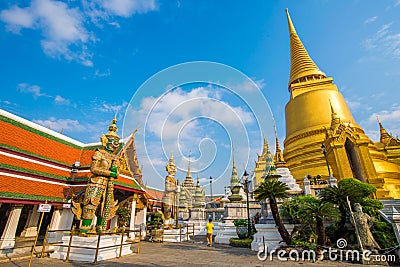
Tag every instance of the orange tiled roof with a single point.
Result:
(23, 164)
(22, 188)
(154, 194)
(30, 141)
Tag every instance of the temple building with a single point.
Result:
(317, 114)
(38, 164)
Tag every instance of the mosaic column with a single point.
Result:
(7, 240)
(31, 223)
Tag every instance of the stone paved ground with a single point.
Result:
(184, 254)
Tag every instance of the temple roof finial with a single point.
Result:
(301, 64)
(384, 135)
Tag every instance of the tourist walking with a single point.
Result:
(209, 227)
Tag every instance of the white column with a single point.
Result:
(31, 223)
(54, 225)
(132, 221)
(141, 220)
(114, 222)
(7, 240)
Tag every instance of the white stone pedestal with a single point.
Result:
(268, 234)
(226, 232)
(86, 254)
(175, 235)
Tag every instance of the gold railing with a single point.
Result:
(75, 232)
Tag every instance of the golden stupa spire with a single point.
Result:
(302, 67)
(384, 134)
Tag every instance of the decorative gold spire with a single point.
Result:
(265, 148)
(278, 157)
(384, 134)
(302, 67)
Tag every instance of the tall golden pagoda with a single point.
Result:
(317, 114)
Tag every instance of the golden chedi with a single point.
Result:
(317, 114)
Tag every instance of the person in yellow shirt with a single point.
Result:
(209, 227)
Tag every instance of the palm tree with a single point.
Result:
(320, 211)
(272, 189)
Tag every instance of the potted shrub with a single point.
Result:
(241, 228)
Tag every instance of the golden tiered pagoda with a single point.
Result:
(317, 114)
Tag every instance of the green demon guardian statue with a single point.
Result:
(99, 195)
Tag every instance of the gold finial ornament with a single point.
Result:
(302, 67)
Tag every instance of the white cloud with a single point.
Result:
(392, 116)
(98, 73)
(32, 89)
(112, 108)
(126, 8)
(62, 27)
(370, 20)
(175, 110)
(390, 120)
(384, 40)
(61, 124)
(59, 100)
(353, 104)
(248, 85)
(62, 24)
(17, 18)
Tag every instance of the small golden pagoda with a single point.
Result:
(259, 169)
(317, 114)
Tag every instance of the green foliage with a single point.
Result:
(356, 192)
(271, 189)
(124, 214)
(292, 208)
(241, 243)
(366, 189)
(156, 220)
(308, 211)
(240, 222)
(383, 233)
(371, 206)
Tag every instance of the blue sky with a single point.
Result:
(74, 64)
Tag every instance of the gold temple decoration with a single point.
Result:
(317, 114)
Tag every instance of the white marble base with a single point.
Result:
(226, 232)
(29, 232)
(269, 234)
(7, 243)
(175, 235)
(87, 255)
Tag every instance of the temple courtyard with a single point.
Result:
(179, 254)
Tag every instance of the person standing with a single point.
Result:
(209, 227)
